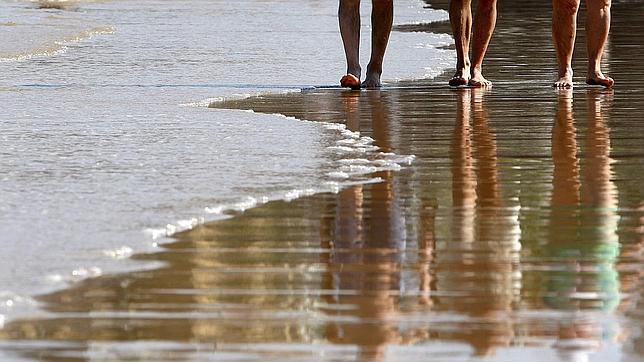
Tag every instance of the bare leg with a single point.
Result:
(382, 18)
(564, 31)
(460, 17)
(349, 18)
(484, 23)
(597, 27)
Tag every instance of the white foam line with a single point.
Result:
(350, 172)
(205, 103)
(351, 169)
(59, 46)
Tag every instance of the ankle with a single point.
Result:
(565, 72)
(357, 71)
(374, 70)
(464, 66)
(594, 71)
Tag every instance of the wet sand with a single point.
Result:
(515, 235)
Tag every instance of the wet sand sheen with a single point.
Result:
(519, 225)
(129, 123)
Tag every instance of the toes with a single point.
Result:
(480, 83)
(592, 81)
(350, 81)
(562, 85)
(371, 85)
(372, 81)
(458, 81)
(605, 82)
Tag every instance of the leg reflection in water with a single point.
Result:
(477, 267)
(583, 243)
(366, 238)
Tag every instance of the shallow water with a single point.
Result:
(104, 142)
(516, 233)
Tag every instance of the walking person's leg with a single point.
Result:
(597, 28)
(484, 24)
(382, 18)
(460, 17)
(564, 31)
(349, 18)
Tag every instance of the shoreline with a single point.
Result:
(122, 120)
(240, 208)
(383, 252)
(167, 234)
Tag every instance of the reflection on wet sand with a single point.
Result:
(517, 232)
(366, 242)
(433, 260)
(583, 245)
(584, 219)
(478, 264)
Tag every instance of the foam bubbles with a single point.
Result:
(296, 194)
(10, 300)
(342, 149)
(55, 47)
(215, 210)
(156, 233)
(75, 275)
(121, 253)
(353, 160)
(338, 175)
(236, 96)
(83, 273)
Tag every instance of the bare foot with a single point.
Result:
(461, 77)
(598, 78)
(372, 81)
(478, 80)
(350, 81)
(565, 80)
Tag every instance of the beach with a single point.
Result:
(409, 223)
(108, 145)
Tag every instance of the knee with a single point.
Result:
(349, 3)
(486, 5)
(460, 4)
(347, 6)
(600, 5)
(566, 7)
